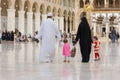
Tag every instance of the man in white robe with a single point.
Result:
(48, 32)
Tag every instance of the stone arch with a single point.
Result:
(4, 6)
(10, 3)
(48, 9)
(81, 4)
(35, 7)
(54, 11)
(42, 8)
(34, 10)
(18, 6)
(26, 7)
(42, 11)
(59, 12)
(65, 20)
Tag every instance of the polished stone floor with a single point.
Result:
(20, 61)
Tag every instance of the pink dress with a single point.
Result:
(66, 50)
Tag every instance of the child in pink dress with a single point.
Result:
(66, 51)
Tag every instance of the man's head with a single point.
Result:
(49, 15)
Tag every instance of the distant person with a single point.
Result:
(113, 35)
(117, 36)
(48, 32)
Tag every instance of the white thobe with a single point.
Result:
(48, 32)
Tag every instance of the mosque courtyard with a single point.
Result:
(20, 61)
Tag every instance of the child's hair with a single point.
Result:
(65, 41)
(95, 37)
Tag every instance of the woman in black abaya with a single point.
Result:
(85, 39)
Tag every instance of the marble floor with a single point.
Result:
(20, 61)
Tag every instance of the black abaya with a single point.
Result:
(85, 39)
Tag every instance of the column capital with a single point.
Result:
(21, 12)
(37, 13)
(61, 17)
(29, 13)
(11, 10)
(55, 17)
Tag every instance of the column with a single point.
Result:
(11, 20)
(107, 29)
(114, 3)
(61, 19)
(119, 26)
(66, 26)
(56, 20)
(37, 21)
(106, 3)
(94, 30)
(0, 21)
(29, 22)
(44, 16)
(21, 26)
(70, 25)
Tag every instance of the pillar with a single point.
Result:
(106, 3)
(44, 16)
(119, 27)
(70, 25)
(37, 21)
(107, 29)
(95, 29)
(114, 5)
(66, 26)
(21, 26)
(61, 19)
(11, 20)
(29, 22)
(0, 21)
(56, 20)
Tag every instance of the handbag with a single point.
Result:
(73, 52)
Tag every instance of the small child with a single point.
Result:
(96, 44)
(66, 51)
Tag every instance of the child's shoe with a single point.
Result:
(64, 60)
(98, 58)
(95, 59)
(68, 61)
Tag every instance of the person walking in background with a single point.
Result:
(48, 32)
(96, 45)
(117, 36)
(113, 35)
(66, 51)
(85, 38)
